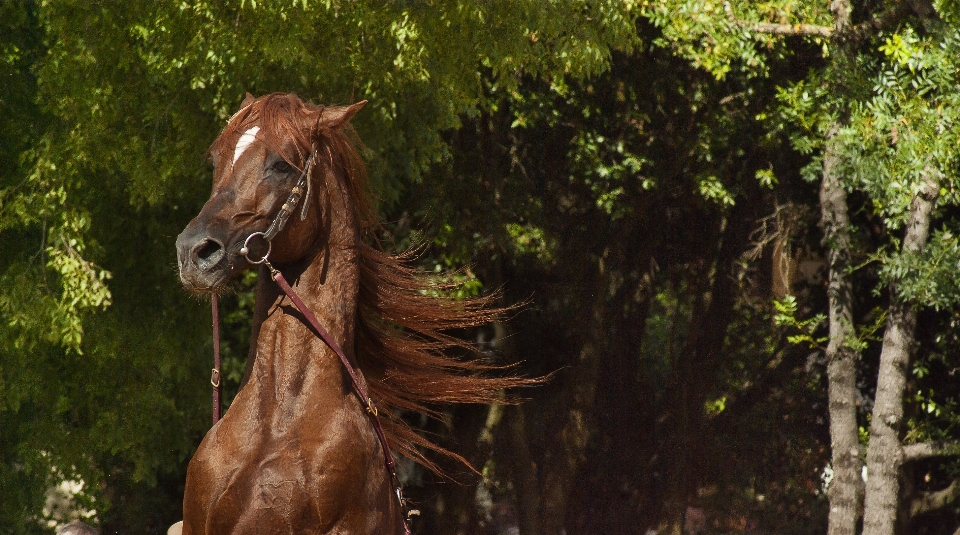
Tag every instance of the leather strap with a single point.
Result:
(302, 186)
(215, 375)
(354, 378)
(357, 385)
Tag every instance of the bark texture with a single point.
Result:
(846, 488)
(884, 453)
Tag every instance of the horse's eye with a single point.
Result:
(282, 166)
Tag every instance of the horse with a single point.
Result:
(298, 451)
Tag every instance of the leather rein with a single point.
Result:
(279, 221)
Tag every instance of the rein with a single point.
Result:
(215, 376)
(303, 186)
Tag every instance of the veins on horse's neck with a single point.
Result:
(288, 354)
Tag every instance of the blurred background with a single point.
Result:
(647, 174)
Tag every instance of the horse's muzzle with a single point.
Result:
(202, 261)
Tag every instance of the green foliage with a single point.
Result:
(928, 278)
(786, 316)
(718, 35)
(766, 178)
(716, 406)
(712, 189)
(949, 10)
(802, 106)
(604, 165)
(527, 239)
(107, 110)
(907, 129)
(593, 160)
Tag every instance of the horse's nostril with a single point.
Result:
(208, 252)
(207, 249)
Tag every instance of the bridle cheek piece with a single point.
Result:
(277, 225)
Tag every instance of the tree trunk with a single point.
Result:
(525, 474)
(884, 453)
(846, 488)
(567, 454)
(682, 421)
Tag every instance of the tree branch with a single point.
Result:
(877, 23)
(934, 448)
(778, 29)
(791, 29)
(931, 501)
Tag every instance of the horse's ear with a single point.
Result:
(248, 100)
(337, 116)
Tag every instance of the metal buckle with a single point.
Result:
(215, 378)
(245, 250)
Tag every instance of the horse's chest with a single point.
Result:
(264, 489)
(269, 478)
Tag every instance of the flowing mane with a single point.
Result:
(403, 344)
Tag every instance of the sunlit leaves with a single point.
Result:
(528, 239)
(83, 287)
(948, 9)
(803, 106)
(719, 35)
(929, 278)
(605, 165)
(136, 93)
(766, 178)
(714, 190)
(805, 332)
(907, 130)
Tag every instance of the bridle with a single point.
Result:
(301, 187)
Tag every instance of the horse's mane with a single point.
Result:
(405, 316)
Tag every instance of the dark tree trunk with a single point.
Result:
(603, 501)
(524, 474)
(694, 376)
(566, 453)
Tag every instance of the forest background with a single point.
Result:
(736, 224)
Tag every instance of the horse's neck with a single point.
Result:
(289, 358)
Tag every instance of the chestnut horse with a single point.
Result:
(297, 451)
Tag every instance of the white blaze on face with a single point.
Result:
(245, 141)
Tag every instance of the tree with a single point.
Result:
(647, 175)
(128, 98)
(910, 77)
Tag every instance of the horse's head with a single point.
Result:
(261, 155)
